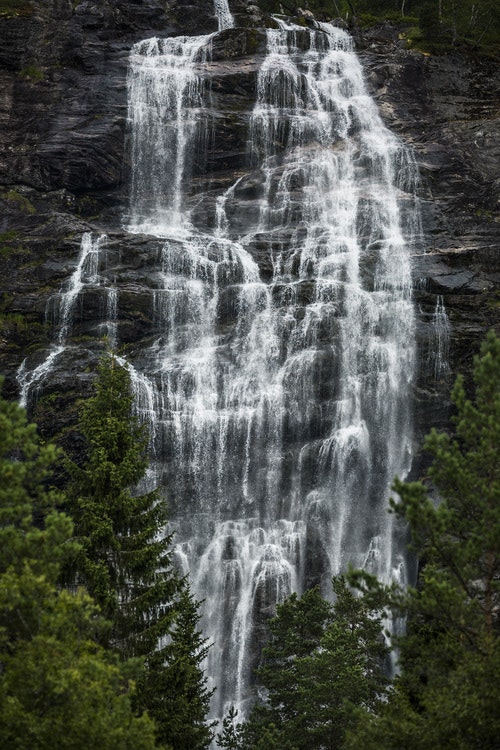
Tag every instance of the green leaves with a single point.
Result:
(449, 684)
(173, 686)
(323, 666)
(60, 691)
(459, 538)
(323, 663)
(122, 553)
(57, 687)
(126, 565)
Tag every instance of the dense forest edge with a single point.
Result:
(99, 638)
(98, 633)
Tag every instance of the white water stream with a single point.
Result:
(281, 409)
(61, 314)
(279, 404)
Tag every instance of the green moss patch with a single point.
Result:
(23, 203)
(13, 8)
(30, 73)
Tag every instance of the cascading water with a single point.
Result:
(277, 391)
(440, 342)
(223, 14)
(165, 101)
(61, 309)
(279, 409)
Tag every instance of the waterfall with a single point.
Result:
(276, 379)
(439, 342)
(165, 102)
(223, 13)
(168, 119)
(61, 313)
(279, 403)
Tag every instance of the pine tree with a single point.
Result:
(323, 663)
(126, 559)
(57, 687)
(126, 565)
(174, 687)
(449, 690)
(230, 737)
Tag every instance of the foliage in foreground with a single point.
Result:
(66, 657)
(126, 564)
(58, 688)
(323, 663)
(449, 690)
(125, 560)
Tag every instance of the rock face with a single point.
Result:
(65, 170)
(63, 161)
(446, 107)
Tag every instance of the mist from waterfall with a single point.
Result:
(279, 409)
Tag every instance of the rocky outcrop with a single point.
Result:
(63, 169)
(446, 107)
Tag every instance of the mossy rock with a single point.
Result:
(20, 201)
(31, 74)
(14, 8)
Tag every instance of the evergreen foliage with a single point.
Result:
(323, 669)
(126, 565)
(173, 686)
(57, 687)
(231, 735)
(448, 693)
(323, 662)
(125, 562)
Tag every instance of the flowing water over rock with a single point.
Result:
(278, 401)
(223, 13)
(439, 345)
(61, 313)
(166, 116)
(276, 377)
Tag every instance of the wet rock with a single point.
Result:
(64, 165)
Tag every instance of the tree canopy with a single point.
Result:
(323, 663)
(125, 561)
(58, 688)
(449, 684)
(67, 654)
(323, 672)
(126, 564)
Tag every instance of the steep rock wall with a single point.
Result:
(63, 171)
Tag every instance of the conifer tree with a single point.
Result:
(126, 565)
(448, 693)
(230, 737)
(174, 687)
(58, 688)
(126, 560)
(323, 663)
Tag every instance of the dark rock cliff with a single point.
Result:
(447, 108)
(63, 171)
